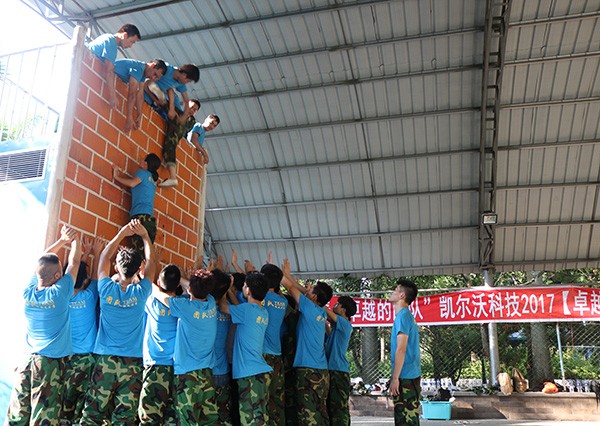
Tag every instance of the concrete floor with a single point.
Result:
(375, 421)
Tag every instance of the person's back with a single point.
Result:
(121, 327)
(339, 368)
(250, 369)
(194, 354)
(158, 350)
(276, 305)
(117, 377)
(36, 395)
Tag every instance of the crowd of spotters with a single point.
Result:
(202, 347)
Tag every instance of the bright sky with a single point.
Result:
(21, 28)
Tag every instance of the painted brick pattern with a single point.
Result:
(95, 204)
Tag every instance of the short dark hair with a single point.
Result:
(323, 292)
(170, 276)
(273, 275)
(47, 266)
(348, 304)
(214, 117)
(238, 280)
(196, 101)
(222, 283)
(131, 30)
(159, 64)
(153, 163)
(82, 280)
(409, 288)
(129, 261)
(191, 71)
(202, 283)
(257, 284)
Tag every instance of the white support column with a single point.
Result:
(65, 134)
(493, 336)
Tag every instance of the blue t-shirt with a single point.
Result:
(310, 347)
(104, 47)
(84, 319)
(276, 305)
(126, 68)
(201, 133)
(405, 323)
(221, 362)
(167, 82)
(142, 195)
(48, 320)
(252, 321)
(337, 345)
(121, 329)
(159, 337)
(196, 333)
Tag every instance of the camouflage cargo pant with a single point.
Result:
(276, 404)
(174, 133)
(149, 222)
(337, 401)
(223, 398)
(406, 404)
(78, 370)
(35, 399)
(196, 398)
(254, 394)
(114, 391)
(157, 404)
(312, 390)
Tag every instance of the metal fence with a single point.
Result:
(456, 356)
(33, 87)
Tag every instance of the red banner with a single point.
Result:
(483, 305)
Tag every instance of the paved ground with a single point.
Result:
(375, 421)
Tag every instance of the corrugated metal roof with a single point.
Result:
(350, 129)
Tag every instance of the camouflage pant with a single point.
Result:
(337, 401)
(406, 405)
(254, 394)
(149, 223)
(114, 391)
(78, 370)
(174, 133)
(196, 398)
(291, 410)
(276, 404)
(223, 398)
(312, 390)
(35, 399)
(157, 405)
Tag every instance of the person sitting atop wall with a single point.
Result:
(134, 72)
(105, 48)
(161, 93)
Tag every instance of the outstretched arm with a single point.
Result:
(199, 147)
(123, 179)
(109, 76)
(97, 247)
(132, 91)
(66, 234)
(74, 259)
(332, 316)
(139, 229)
(234, 262)
(111, 249)
(289, 282)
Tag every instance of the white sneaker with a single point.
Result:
(169, 183)
(153, 87)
